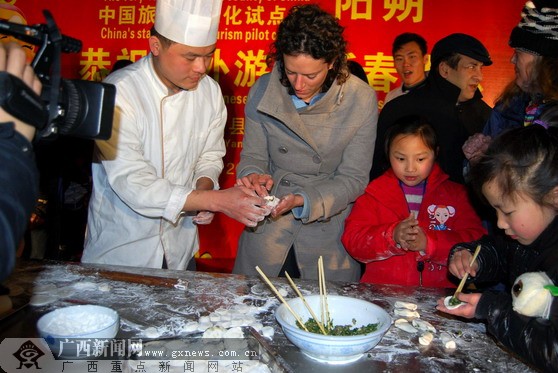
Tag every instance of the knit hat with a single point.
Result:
(460, 43)
(189, 22)
(537, 32)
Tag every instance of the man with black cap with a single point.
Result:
(450, 100)
(155, 179)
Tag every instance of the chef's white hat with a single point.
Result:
(189, 22)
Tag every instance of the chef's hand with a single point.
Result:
(203, 218)
(261, 183)
(405, 232)
(459, 264)
(242, 204)
(467, 310)
(287, 203)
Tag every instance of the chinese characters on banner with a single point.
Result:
(118, 29)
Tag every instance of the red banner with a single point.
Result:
(112, 30)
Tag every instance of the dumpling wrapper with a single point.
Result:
(449, 306)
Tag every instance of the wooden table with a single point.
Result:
(164, 301)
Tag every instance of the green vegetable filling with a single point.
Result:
(338, 330)
(454, 301)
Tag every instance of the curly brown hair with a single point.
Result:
(543, 82)
(308, 29)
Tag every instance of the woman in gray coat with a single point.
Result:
(310, 131)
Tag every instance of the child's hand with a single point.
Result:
(419, 243)
(405, 233)
(459, 264)
(467, 310)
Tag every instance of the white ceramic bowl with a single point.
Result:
(82, 322)
(342, 310)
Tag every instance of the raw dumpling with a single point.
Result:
(424, 326)
(447, 341)
(426, 338)
(405, 325)
(407, 305)
(404, 312)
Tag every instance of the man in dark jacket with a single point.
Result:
(449, 100)
(18, 174)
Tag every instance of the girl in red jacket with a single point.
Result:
(407, 220)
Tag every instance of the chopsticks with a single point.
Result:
(293, 285)
(323, 298)
(323, 292)
(464, 279)
(296, 316)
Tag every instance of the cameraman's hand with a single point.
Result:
(14, 61)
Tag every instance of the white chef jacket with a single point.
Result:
(160, 146)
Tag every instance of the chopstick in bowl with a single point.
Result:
(296, 316)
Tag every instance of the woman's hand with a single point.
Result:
(287, 203)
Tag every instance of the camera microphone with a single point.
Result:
(37, 35)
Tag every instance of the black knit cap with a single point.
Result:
(537, 32)
(460, 43)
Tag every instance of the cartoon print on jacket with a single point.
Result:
(439, 215)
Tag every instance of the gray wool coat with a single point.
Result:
(323, 151)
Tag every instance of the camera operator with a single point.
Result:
(18, 174)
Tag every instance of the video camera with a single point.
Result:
(77, 108)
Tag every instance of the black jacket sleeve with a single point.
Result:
(534, 339)
(18, 193)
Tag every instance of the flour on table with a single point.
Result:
(43, 289)
(104, 287)
(85, 285)
(151, 332)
